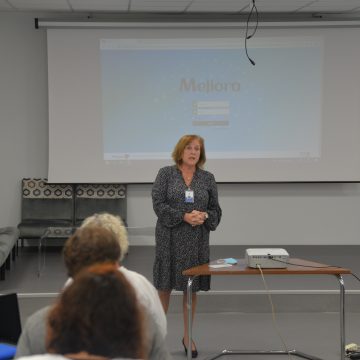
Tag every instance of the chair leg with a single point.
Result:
(2, 272)
(7, 262)
(13, 253)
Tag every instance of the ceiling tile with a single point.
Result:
(159, 8)
(43, 5)
(332, 6)
(158, 5)
(99, 5)
(280, 6)
(219, 6)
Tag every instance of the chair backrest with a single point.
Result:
(10, 323)
(7, 351)
(43, 201)
(99, 198)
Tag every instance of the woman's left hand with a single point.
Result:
(199, 217)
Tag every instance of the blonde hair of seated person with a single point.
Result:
(113, 223)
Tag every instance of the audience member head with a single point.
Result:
(88, 246)
(113, 223)
(98, 314)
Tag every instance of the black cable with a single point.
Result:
(355, 276)
(247, 36)
(309, 266)
(248, 20)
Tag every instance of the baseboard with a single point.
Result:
(250, 302)
(227, 301)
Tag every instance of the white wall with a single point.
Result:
(271, 214)
(253, 214)
(23, 110)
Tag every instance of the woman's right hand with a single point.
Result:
(194, 218)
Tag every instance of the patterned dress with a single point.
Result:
(180, 246)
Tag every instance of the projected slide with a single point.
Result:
(156, 90)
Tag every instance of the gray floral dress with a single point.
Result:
(180, 246)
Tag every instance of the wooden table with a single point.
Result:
(297, 267)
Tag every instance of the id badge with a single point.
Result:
(189, 196)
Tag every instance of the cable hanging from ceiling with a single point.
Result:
(248, 35)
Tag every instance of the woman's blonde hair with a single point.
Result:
(112, 223)
(181, 145)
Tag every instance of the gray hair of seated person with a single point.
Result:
(112, 223)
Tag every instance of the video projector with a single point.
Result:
(267, 258)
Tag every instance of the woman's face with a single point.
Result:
(191, 154)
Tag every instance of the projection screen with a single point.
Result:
(119, 99)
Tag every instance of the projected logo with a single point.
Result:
(208, 86)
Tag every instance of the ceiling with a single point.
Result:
(339, 8)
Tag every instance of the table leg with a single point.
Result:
(269, 352)
(189, 309)
(39, 251)
(342, 317)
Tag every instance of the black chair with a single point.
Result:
(10, 325)
(99, 198)
(45, 205)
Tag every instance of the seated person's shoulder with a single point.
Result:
(43, 357)
(136, 279)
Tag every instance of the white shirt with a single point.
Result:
(53, 357)
(147, 296)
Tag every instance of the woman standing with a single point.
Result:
(185, 201)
